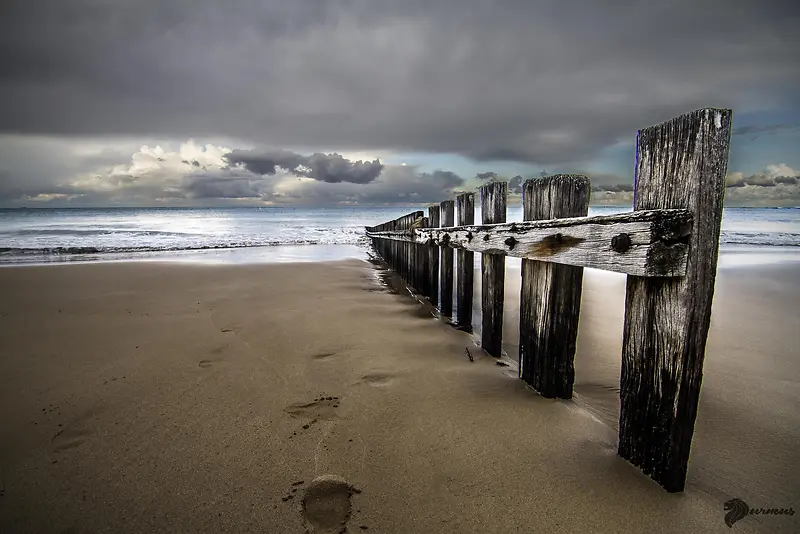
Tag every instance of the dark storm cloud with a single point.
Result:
(397, 184)
(734, 181)
(211, 186)
(759, 180)
(486, 175)
(541, 81)
(331, 168)
(444, 180)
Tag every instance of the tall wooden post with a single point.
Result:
(433, 258)
(679, 164)
(550, 298)
(494, 196)
(466, 265)
(446, 281)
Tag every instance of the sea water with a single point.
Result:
(286, 234)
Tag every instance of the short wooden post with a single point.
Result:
(446, 280)
(412, 260)
(386, 245)
(408, 221)
(550, 298)
(419, 221)
(433, 258)
(410, 267)
(679, 164)
(466, 265)
(404, 224)
(395, 247)
(391, 247)
(421, 266)
(493, 210)
(400, 249)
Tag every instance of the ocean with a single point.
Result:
(270, 234)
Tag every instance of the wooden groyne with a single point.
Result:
(667, 246)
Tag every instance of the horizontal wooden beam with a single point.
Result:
(640, 243)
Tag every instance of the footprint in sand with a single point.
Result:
(377, 379)
(206, 363)
(323, 408)
(75, 433)
(323, 355)
(68, 439)
(326, 505)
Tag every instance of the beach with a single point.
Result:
(175, 397)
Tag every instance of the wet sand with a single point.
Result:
(163, 397)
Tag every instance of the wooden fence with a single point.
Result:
(667, 246)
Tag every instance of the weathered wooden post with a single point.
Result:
(406, 225)
(448, 220)
(466, 265)
(410, 222)
(393, 247)
(412, 259)
(494, 197)
(421, 266)
(550, 297)
(679, 164)
(387, 245)
(403, 249)
(433, 258)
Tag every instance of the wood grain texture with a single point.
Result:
(409, 250)
(494, 196)
(433, 258)
(395, 253)
(680, 164)
(422, 264)
(642, 243)
(550, 296)
(447, 214)
(466, 265)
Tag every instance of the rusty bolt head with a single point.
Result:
(621, 243)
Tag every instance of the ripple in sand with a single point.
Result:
(326, 505)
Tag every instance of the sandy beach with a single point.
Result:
(163, 397)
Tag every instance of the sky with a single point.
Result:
(380, 102)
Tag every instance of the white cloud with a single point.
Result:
(780, 169)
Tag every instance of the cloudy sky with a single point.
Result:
(254, 102)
